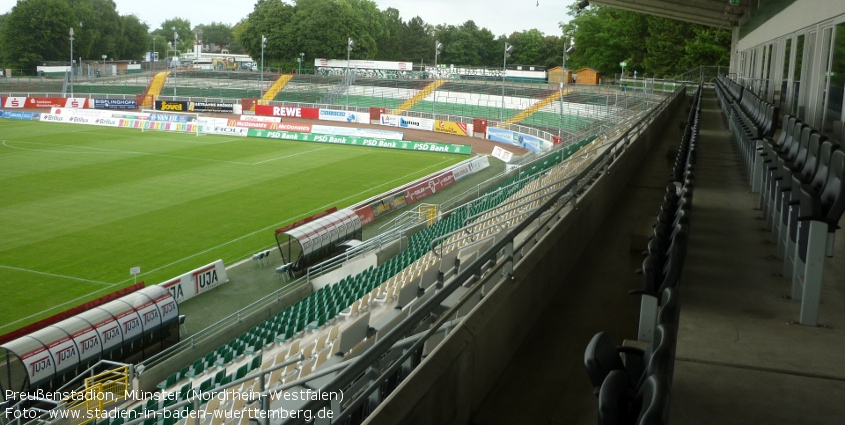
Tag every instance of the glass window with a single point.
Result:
(796, 74)
(835, 77)
(785, 75)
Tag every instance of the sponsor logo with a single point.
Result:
(111, 333)
(41, 365)
(168, 308)
(90, 343)
(66, 354)
(206, 279)
(407, 123)
(150, 317)
(174, 288)
(131, 325)
(280, 111)
(50, 117)
(170, 106)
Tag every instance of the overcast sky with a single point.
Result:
(499, 16)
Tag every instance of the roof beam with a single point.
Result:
(686, 13)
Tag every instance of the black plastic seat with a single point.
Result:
(620, 405)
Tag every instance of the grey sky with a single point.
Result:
(499, 16)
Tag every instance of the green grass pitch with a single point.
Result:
(80, 205)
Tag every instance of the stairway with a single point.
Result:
(422, 94)
(535, 107)
(154, 89)
(271, 93)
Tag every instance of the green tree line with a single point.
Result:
(37, 30)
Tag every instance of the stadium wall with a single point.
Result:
(454, 381)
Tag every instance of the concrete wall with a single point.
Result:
(799, 15)
(453, 382)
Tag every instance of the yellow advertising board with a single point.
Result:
(450, 127)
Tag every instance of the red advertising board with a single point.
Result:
(45, 102)
(479, 126)
(375, 113)
(428, 187)
(305, 220)
(365, 213)
(287, 111)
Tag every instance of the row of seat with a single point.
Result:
(802, 197)
(633, 384)
(750, 119)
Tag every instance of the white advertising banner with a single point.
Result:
(343, 116)
(359, 132)
(407, 122)
(197, 281)
(473, 166)
(502, 154)
(260, 118)
(364, 64)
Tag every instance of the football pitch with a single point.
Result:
(80, 205)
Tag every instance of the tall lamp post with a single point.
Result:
(175, 38)
(349, 45)
(563, 81)
(508, 50)
(438, 47)
(153, 67)
(300, 59)
(263, 45)
(71, 62)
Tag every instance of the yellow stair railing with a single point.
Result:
(429, 89)
(428, 212)
(277, 86)
(99, 393)
(535, 107)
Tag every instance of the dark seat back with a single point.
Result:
(601, 358)
(652, 402)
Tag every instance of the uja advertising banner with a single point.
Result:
(115, 104)
(429, 187)
(407, 122)
(287, 111)
(197, 281)
(526, 141)
(364, 141)
(44, 102)
(451, 127)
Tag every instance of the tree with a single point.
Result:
(528, 47)
(134, 38)
(37, 30)
(390, 40)
(418, 41)
(215, 33)
(97, 26)
(182, 28)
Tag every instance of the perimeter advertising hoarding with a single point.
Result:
(526, 141)
(287, 111)
(364, 64)
(115, 104)
(164, 105)
(451, 127)
(225, 108)
(364, 141)
(361, 132)
(197, 281)
(45, 102)
(429, 187)
(17, 115)
(407, 122)
(341, 116)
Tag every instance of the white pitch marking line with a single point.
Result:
(115, 151)
(56, 275)
(291, 155)
(207, 250)
(276, 225)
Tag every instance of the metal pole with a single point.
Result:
(436, 53)
(504, 72)
(175, 37)
(153, 68)
(261, 84)
(348, 56)
(71, 62)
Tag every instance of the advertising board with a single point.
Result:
(526, 141)
(407, 122)
(115, 104)
(287, 111)
(451, 127)
(197, 281)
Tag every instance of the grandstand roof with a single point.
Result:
(713, 13)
